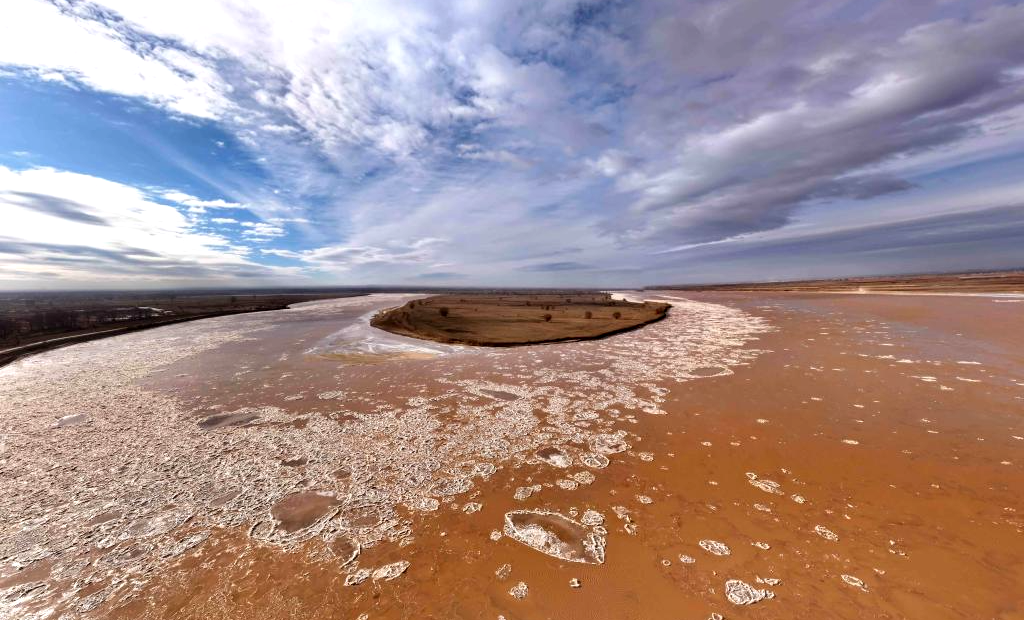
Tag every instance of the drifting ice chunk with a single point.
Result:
(554, 457)
(825, 533)
(741, 593)
(555, 535)
(595, 461)
(358, 577)
(714, 547)
(390, 571)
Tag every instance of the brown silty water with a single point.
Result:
(753, 455)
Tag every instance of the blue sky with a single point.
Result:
(547, 143)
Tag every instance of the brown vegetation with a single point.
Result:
(516, 318)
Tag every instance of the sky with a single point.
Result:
(197, 143)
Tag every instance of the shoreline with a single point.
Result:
(936, 293)
(1009, 283)
(502, 345)
(13, 354)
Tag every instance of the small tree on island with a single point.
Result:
(443, 311)
(547, 317)
(617, 315)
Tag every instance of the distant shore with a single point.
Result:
(208, 306)
(981, 283)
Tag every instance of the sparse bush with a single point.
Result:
(617, 315)
(547, 317)
(443, 311)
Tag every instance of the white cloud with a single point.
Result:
(521, 129)
(76, 229)
(191, 201)
(343, 257)
(261, 231)
(60, 42)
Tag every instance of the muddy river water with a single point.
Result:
(750, 456)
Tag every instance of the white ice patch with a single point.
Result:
(714, 547)
(768, 486)
(854, 581)
(556, 535)
(390, 571)
(741, 593)
(825, 533)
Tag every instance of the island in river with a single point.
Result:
(511, 319)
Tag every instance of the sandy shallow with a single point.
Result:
(752, 455)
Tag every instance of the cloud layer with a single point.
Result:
(553, 141)
(71, 230)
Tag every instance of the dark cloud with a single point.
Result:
(78, 253)
(583, 137)
(439, 275)
(802, 111)
(985, 239)
(55, 206)
(557, 266)
(129, 262)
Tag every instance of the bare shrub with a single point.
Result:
(617, 315)
(588, 314)
(443, 311)
(547, 317)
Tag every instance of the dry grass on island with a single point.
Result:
(516, 318)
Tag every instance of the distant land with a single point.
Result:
(32, 322)
(992, 282)
(35, 321)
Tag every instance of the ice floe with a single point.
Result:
(714, 547)
(739, 592)
(556, 535)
